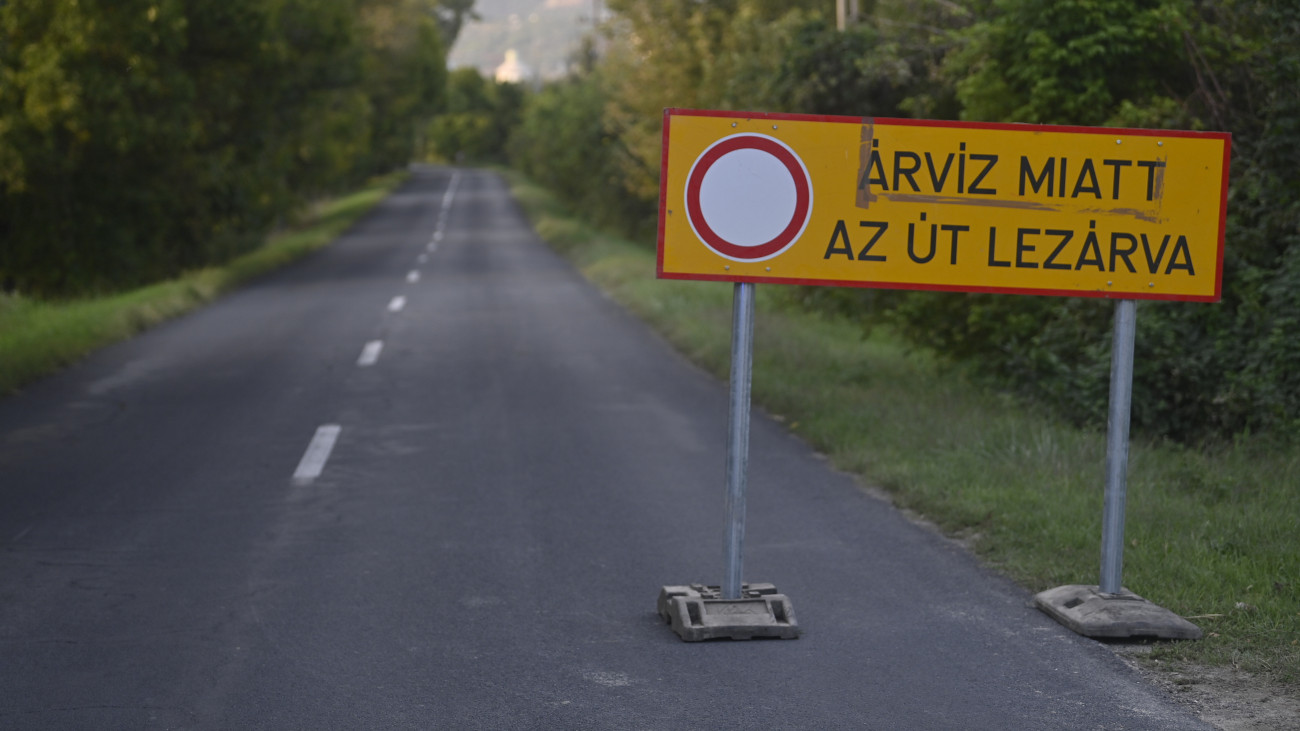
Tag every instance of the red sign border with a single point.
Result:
(671, 112)
(803, 198)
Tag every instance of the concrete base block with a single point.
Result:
(698, 612)
(1086, 610)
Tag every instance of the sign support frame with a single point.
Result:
(1108, 610)
(735, 609)
(1142, 194)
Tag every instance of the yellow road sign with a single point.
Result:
(914, 204)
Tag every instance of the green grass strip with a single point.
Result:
(1210, 535)
(38, 338)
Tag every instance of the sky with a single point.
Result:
(542, 32)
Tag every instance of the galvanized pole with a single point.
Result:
(1117, 427)
(742, 369)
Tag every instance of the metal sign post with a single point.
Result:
(1108, 609)
(734, 610)
(1117, 426)
(742, 374)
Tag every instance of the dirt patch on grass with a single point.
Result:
(1227, 698)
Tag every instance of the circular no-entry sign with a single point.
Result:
(748, 197)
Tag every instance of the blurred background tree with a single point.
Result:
(142, 138)
(476, 119)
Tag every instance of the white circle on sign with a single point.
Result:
(748, 197)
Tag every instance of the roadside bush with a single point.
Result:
(564, 143)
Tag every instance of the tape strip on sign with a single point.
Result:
(954, 206)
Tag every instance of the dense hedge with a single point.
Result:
(1204, 372)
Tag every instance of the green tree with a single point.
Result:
(139, 138)
(93, 108)
(1071, 62)
(564, 143)
(689, 53)
(1204, 372)
(476, 120)
(405, 75)
(451, 16)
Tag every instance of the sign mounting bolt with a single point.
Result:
(727, 267)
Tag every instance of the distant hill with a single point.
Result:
(544, 34)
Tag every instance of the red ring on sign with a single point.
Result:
(803, 197)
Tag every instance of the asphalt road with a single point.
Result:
(516, 471)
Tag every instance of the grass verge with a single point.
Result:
(1212, 536)
(37, 338)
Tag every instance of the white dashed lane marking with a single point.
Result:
(317, 454)
(370, 353)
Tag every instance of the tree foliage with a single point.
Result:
(140, 138)
(565, 142)
(1075, 62)
(475, 120)
(1203, 371)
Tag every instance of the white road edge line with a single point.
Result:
(370, 353)
(396, 304)
(412, 276)
(317, 454)
(422, 259)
